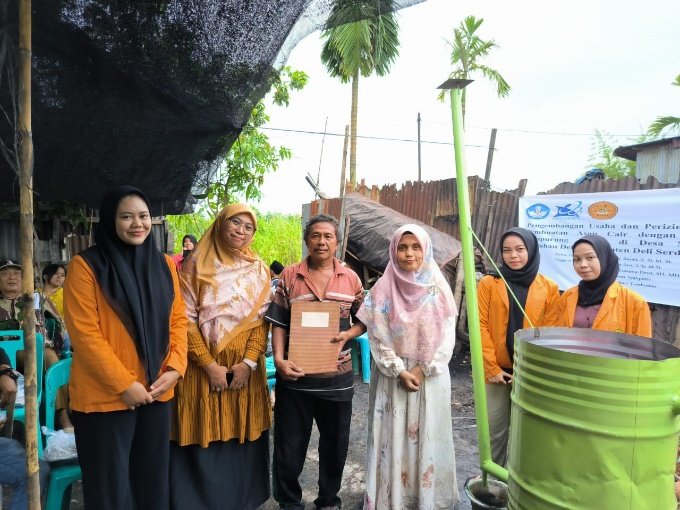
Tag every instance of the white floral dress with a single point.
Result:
(411, 459)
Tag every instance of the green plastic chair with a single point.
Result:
(12, 347)
(62, 475)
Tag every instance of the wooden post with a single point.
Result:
(419, 167)
(344, 162)
(26, 245)
(345, 234)
(489, 157)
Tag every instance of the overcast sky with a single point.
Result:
(573, 66)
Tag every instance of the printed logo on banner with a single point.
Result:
(538, 212)
(603, 210)
(569, 210)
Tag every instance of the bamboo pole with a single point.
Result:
(26, 245)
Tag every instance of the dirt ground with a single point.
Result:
(353, 485)
(352, 493)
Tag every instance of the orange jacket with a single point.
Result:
(494, 308)
(105, 359)
(622, 311)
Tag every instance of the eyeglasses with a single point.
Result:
(248, 228)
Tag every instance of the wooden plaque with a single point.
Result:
(312, 326)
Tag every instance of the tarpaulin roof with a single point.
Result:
(149, 93)
(372, 226)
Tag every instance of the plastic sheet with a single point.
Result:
(61, 445)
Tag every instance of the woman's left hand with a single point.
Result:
(241, 374)
(164, 383)
(418, 372)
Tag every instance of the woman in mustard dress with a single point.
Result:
(220, 448)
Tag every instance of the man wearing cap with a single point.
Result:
(11, 314)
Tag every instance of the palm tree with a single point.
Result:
(467, 49)
(663, 123)
(361, 38)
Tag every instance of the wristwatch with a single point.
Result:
(9, 372)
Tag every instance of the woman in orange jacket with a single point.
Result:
(599, 301)
(500, 318)
(125, 315)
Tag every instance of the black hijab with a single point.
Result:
(519, 281)
(135, 281)
(185, 253)
(593, 292)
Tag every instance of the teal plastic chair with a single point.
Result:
(12, 347)
(62, 475)
(271, 372)
(12, 341)
(361, 344)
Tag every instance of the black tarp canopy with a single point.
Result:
(148, 93)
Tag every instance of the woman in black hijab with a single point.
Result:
(500, 317)
(599, 301)
(127, 322)
(188, 244)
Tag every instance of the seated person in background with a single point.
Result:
(12, 455)
(53, 277)
(49, 323)
(12, 313)
(52, 298)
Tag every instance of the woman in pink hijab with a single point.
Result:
(410, 314)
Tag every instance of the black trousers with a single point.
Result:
(293, 416)
(124, 457)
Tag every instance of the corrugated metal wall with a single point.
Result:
(435, 203)
(662, 162)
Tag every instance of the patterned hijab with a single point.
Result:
(593, 292)
(407, 310)
(227, 290)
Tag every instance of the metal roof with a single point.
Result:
(630, 151)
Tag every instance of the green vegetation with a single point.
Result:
(669, 124)
(183, 224)
(242, 172)
(602, 157)
(278, 236)
(467, 50)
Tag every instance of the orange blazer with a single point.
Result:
(622, 311)
(494, 309)
(105, 359)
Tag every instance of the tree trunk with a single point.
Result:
(344, 162)
(353, 131)
(26, 245)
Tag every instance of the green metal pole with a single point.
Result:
(484, 443)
